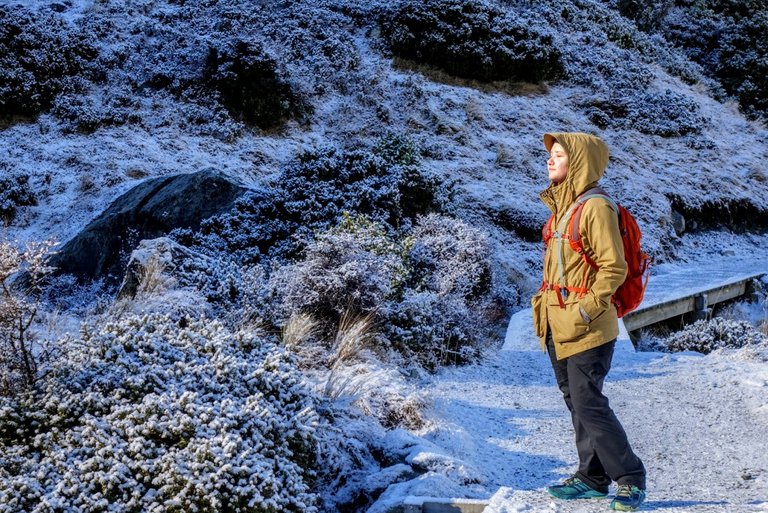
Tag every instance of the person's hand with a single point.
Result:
(584, 315)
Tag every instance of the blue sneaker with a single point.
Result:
(628, 498)
(575, 488)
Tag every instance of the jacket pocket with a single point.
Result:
(567, 324)
(539, 310)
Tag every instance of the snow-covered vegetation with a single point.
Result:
(271, 359)
(147, 415)
(471, 39)
(721, 35)
(706, 336)
(23, 356)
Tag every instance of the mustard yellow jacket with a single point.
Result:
(599, 230)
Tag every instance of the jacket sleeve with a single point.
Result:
(599, 229)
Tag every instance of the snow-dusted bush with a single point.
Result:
(65, 293)
(248, 85)
(354, 267)
(724, 36)
(88, 112)
(647, 15)
(426, 291)
(743, 66)
(668, 114)
(605, 51)
(434, 330)
(15, 192)
(438, 318)
(449, 257)
(312, 193)
(22, 356)
(314, 45)
(717, 333)
(163, 275)
(41, 55)
(142, 415)
(472, 39)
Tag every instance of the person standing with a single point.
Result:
(577, 323)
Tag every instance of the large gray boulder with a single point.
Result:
(149, 210)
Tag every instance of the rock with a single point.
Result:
(678, 222)
(149, 210)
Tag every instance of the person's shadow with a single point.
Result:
(661, 505)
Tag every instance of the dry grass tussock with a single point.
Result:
(299, 329)
(353, 337)
(153, 280)
(347, 370)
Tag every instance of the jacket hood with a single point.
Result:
(587, 160)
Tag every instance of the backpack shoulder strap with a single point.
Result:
(546, 230)
(595, 192)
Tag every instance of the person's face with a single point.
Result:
(557, 164)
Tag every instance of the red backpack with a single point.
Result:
(629, 295)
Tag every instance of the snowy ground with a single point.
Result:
(698, 422)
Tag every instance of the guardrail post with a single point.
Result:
(700, 307)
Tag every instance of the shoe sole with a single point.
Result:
(586, 497)
(620, 507)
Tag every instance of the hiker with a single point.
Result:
(577, 322)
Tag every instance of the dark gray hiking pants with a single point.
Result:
(604, 451)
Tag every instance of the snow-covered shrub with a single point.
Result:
(312, 193)
(41, 55)
(248, 85)
(65, 293)
(449, 257)
(472, 39)
(22, 356)
(668, 114)
(354, 267)
(88, 112)
(753, 311)
(314, 45)
(142, 415)
(161, 270)
(647, 15)
(603, 50)
(717, 333)
(434, 330)
(743, 68)
(427, 291)
(725, 37)
(438, 317)
(15, 192)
